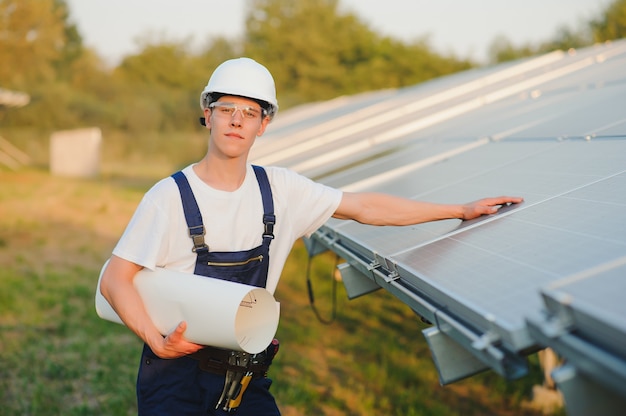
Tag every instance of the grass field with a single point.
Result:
(58, 358)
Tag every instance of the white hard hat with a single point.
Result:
(243, 77)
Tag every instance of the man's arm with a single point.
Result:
(118, 289)
(383, 209)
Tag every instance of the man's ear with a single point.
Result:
(264, 123)
(207, 118)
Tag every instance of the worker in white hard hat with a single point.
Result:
(222, 208)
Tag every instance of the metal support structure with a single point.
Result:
(598, 365)
(585, 397)
(450, 335)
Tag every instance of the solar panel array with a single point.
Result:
(549, 272)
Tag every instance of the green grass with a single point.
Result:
(58, 358)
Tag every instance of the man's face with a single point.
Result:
(235, 122)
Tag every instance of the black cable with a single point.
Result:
(309, 284)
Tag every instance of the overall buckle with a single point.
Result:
(197, 237)
(269, 220)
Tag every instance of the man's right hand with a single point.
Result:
(174, 345)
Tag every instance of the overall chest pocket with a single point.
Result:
(249, 266)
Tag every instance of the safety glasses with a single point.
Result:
(229, 110)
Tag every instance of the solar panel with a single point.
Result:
(575, 300)
(551, 129)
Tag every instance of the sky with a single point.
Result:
(465, 28)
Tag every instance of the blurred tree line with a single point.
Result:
(314, 50)
(609, 25)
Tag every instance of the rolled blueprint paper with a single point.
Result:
(218, 313)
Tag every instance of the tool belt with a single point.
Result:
(220, 361)
(238, 369)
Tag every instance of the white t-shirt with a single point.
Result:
(157, 235)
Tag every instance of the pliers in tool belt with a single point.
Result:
(233, 384)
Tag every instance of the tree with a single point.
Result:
(163, 83)
(565, 39)
(72, 48)
(217, 51)
(503, 50)
(316, 52)
(611, 24)
(31, 41)
(307, 46)
(163, 64)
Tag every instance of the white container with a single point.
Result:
(76, 152)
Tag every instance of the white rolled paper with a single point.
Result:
(218, 313)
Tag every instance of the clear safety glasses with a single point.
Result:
(229, 110)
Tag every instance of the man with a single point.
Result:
(219, 202)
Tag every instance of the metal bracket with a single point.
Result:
(390, 268)
(453, 362)
(481, 346)
(356, 283)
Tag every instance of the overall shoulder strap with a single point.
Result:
(192, 212)
(194, 217)
(269, 219)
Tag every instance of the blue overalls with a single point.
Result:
(179, 386)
